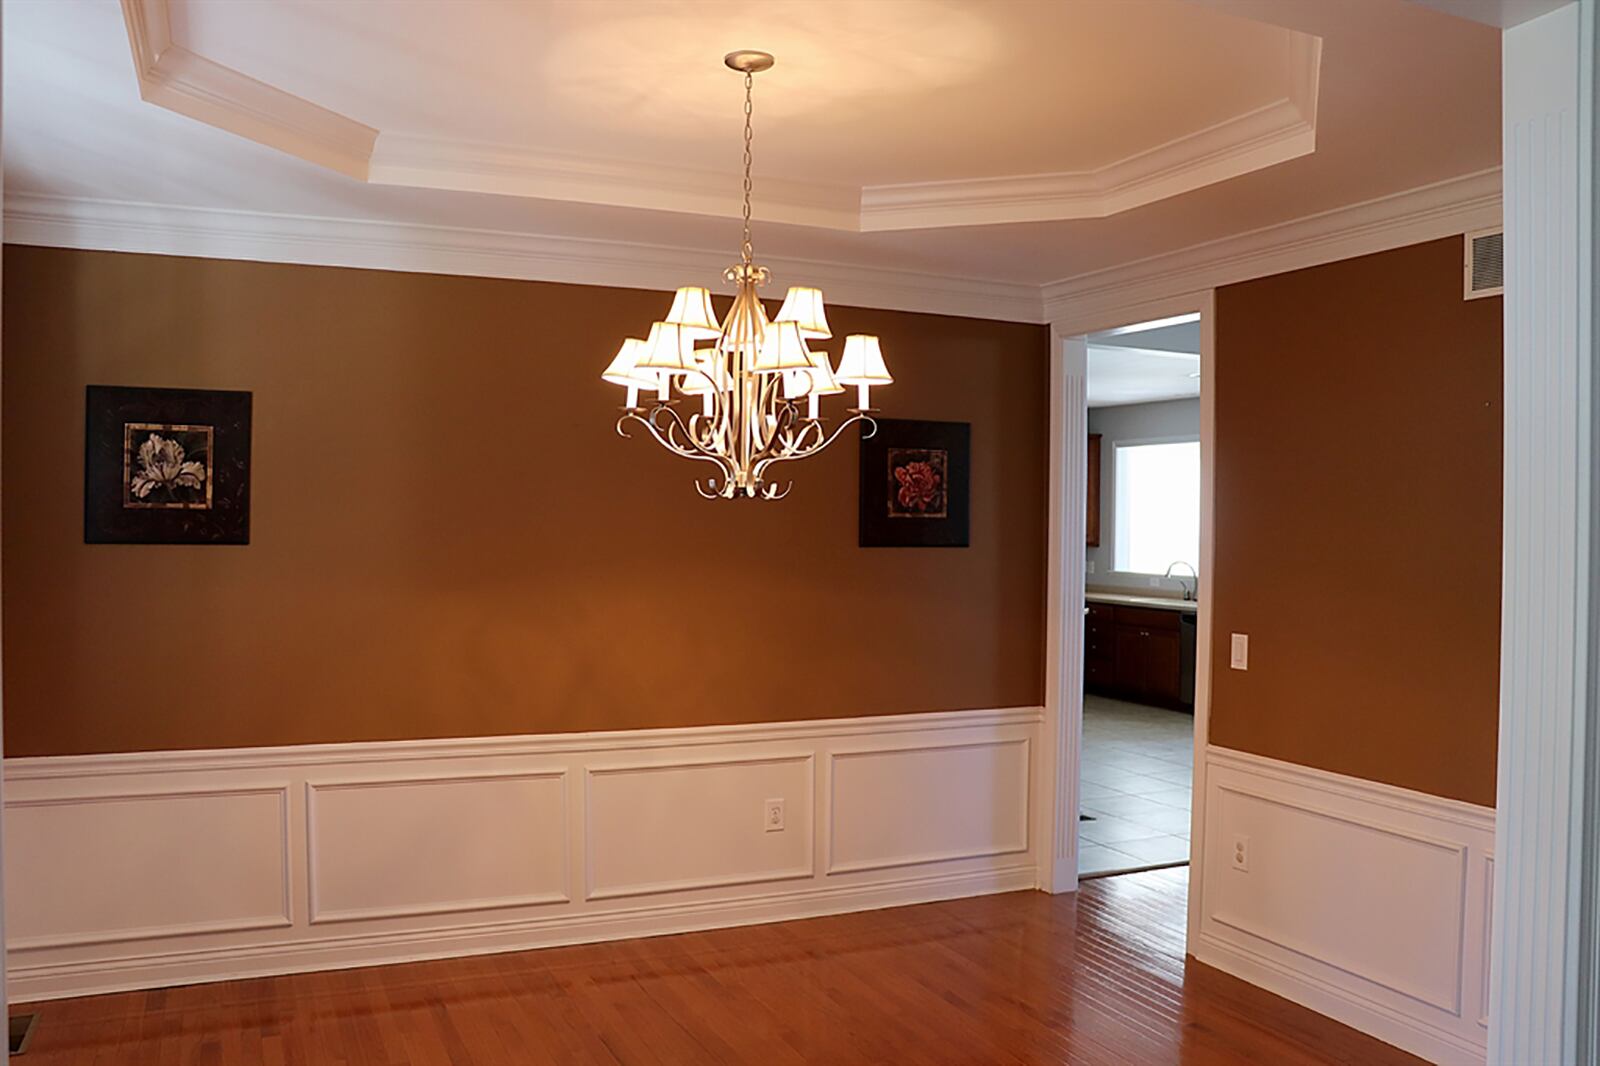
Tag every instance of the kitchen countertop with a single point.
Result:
(1168, 603)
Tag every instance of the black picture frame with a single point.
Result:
(166, 466)
(915, 484)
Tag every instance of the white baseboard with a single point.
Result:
(1366, 902)
(142, 870)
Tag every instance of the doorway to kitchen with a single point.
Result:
(1142, 590)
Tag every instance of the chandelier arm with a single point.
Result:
(663, 440)
(633, 416)
(806, 429)
(705, 435)
(795, 442)
(714, 493)
(867, 422)
(783, 416)
(667, 434)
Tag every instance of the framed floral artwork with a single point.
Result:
(914, 484)
(166, 466)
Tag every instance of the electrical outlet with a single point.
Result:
(1239, 658)
(1241, 853)
(1155, 582)
(1091, 566)
(772, 816)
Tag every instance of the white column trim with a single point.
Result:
(1545, 876)
(1057, 800)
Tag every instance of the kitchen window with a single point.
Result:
(1157, 517)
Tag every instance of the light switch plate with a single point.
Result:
(1239, 657)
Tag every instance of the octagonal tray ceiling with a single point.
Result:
(879, 116)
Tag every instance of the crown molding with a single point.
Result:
(466, 166)
(1276, 133)
(1086, 301)
(1446, 208)
(210, 233)
(173, 77)
(178, 79)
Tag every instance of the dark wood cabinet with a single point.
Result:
(1134, 653)
(1099, 654)
(1091, 513)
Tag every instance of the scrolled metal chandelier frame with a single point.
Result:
(759, 383)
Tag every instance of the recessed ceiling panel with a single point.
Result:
(915, 114)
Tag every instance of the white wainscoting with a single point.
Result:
(1364, 901)
(149, 869)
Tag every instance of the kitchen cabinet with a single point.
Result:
(1091, 513)
(1135, 653)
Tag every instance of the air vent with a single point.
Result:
(1484, 273)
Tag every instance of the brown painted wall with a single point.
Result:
(448, 538)
(1358, 438)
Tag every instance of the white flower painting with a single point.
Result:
(166, 466)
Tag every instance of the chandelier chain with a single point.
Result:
(746, 249)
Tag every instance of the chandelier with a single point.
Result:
(758, 382)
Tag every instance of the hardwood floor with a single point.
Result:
(1022, 978)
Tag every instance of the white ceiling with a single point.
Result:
(1144, 364)
(865, 95)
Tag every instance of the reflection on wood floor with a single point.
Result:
(1095, 978)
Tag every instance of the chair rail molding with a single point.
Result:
(1543, 978)
(258, 861)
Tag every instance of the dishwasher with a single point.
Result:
(1187, 629)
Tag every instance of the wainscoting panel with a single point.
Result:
(474, 842)
(636, 846)
(906, 807)
(97, 868)
(1361, 900)
(278, 860)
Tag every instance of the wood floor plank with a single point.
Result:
(1098, 978)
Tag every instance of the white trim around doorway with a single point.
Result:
(1062, 730)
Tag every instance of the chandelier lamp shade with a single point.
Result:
(759, 382)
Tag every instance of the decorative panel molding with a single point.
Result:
(275, 860)
(636, 816)
(1361, 900)
(451, 844)
(89, 869)
(902, 806)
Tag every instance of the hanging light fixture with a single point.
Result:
(759, 383)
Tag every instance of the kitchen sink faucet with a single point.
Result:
(1189, 593)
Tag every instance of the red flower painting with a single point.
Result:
(918, 483)
(919, 486)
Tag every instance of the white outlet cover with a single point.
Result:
(1240, 854)
(1155, 582)
(772, 815)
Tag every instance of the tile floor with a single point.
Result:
(1137, 767)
